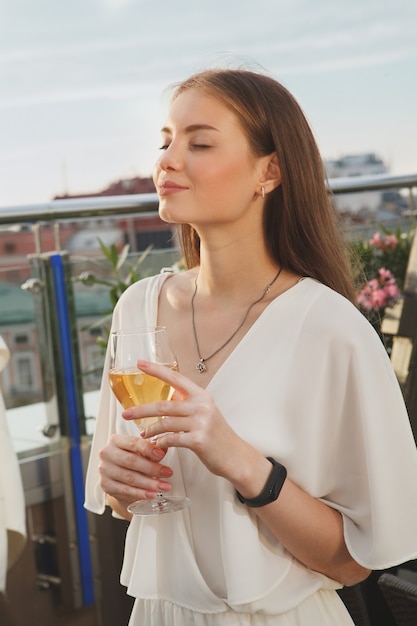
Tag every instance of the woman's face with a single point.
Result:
(207, 173)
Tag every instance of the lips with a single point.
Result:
(168, 187)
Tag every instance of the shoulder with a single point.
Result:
(330, 315)
(138, 302)
(153, 291)
(326, 303)
(178, 290)
(142, 288)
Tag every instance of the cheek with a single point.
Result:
(223, 198)
(227, 183)
(220, 172)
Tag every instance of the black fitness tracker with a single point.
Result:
(272, 487)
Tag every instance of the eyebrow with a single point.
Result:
(191, 128)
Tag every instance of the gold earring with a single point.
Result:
(263, 192)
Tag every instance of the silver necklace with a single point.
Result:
(201, 366)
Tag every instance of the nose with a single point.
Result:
(170, 158)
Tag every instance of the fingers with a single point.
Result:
(120, 444)
(186, 398)
(166, 425)
(161, 408)
(128, 493)
(170, 439)
(127, 474)
(179, 382)
(181, 418)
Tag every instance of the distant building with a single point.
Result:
(21, 380)
(118, 188)
(139, 232)
(18, 241)
(356, 165)
(367, 164)
(82, 237)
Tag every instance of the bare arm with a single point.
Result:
(309, 529)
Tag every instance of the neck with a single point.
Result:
(241, 267)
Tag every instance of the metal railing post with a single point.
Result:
(58, 340)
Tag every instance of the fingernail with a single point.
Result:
(142, 364)
(128, 413)
(166, 472)
(164, 486)
(157, 454)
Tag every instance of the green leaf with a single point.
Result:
(122, 257)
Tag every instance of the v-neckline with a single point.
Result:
(279, 298)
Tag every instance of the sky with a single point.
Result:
(83, 83)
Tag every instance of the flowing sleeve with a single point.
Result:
(358, 451)
(136, 307)
(380, 512)
(105, 426)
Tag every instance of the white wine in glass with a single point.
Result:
(133, 387)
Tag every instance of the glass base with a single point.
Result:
(159, 505)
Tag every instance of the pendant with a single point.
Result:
(201, 366)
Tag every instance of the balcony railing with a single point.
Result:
(54, 457)
(112, 206)
(57, 212)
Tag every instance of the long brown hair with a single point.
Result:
(300, 224)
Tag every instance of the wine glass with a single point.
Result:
(132, 387)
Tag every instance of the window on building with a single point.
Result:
(94, 367)
(21, 339)
(24, 371)
(9, 247)
(96, 331)
(159, 239)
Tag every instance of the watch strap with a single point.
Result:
(272, 487)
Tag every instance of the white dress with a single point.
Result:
(311, 385)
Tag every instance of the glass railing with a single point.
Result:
(71, 229)
(55, 304)
(55, 326)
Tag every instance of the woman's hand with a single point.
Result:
(130, 469)
(191, 420)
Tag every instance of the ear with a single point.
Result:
(271, 177)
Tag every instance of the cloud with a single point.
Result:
(73, 65)
(109, 91)
(345, 63)
(118, 4)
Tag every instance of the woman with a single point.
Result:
(287, 428)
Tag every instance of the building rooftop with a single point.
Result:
(17, 306)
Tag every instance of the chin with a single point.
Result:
(166, 216)
(170, 217)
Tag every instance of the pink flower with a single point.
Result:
(379, 292)
(383, 242)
